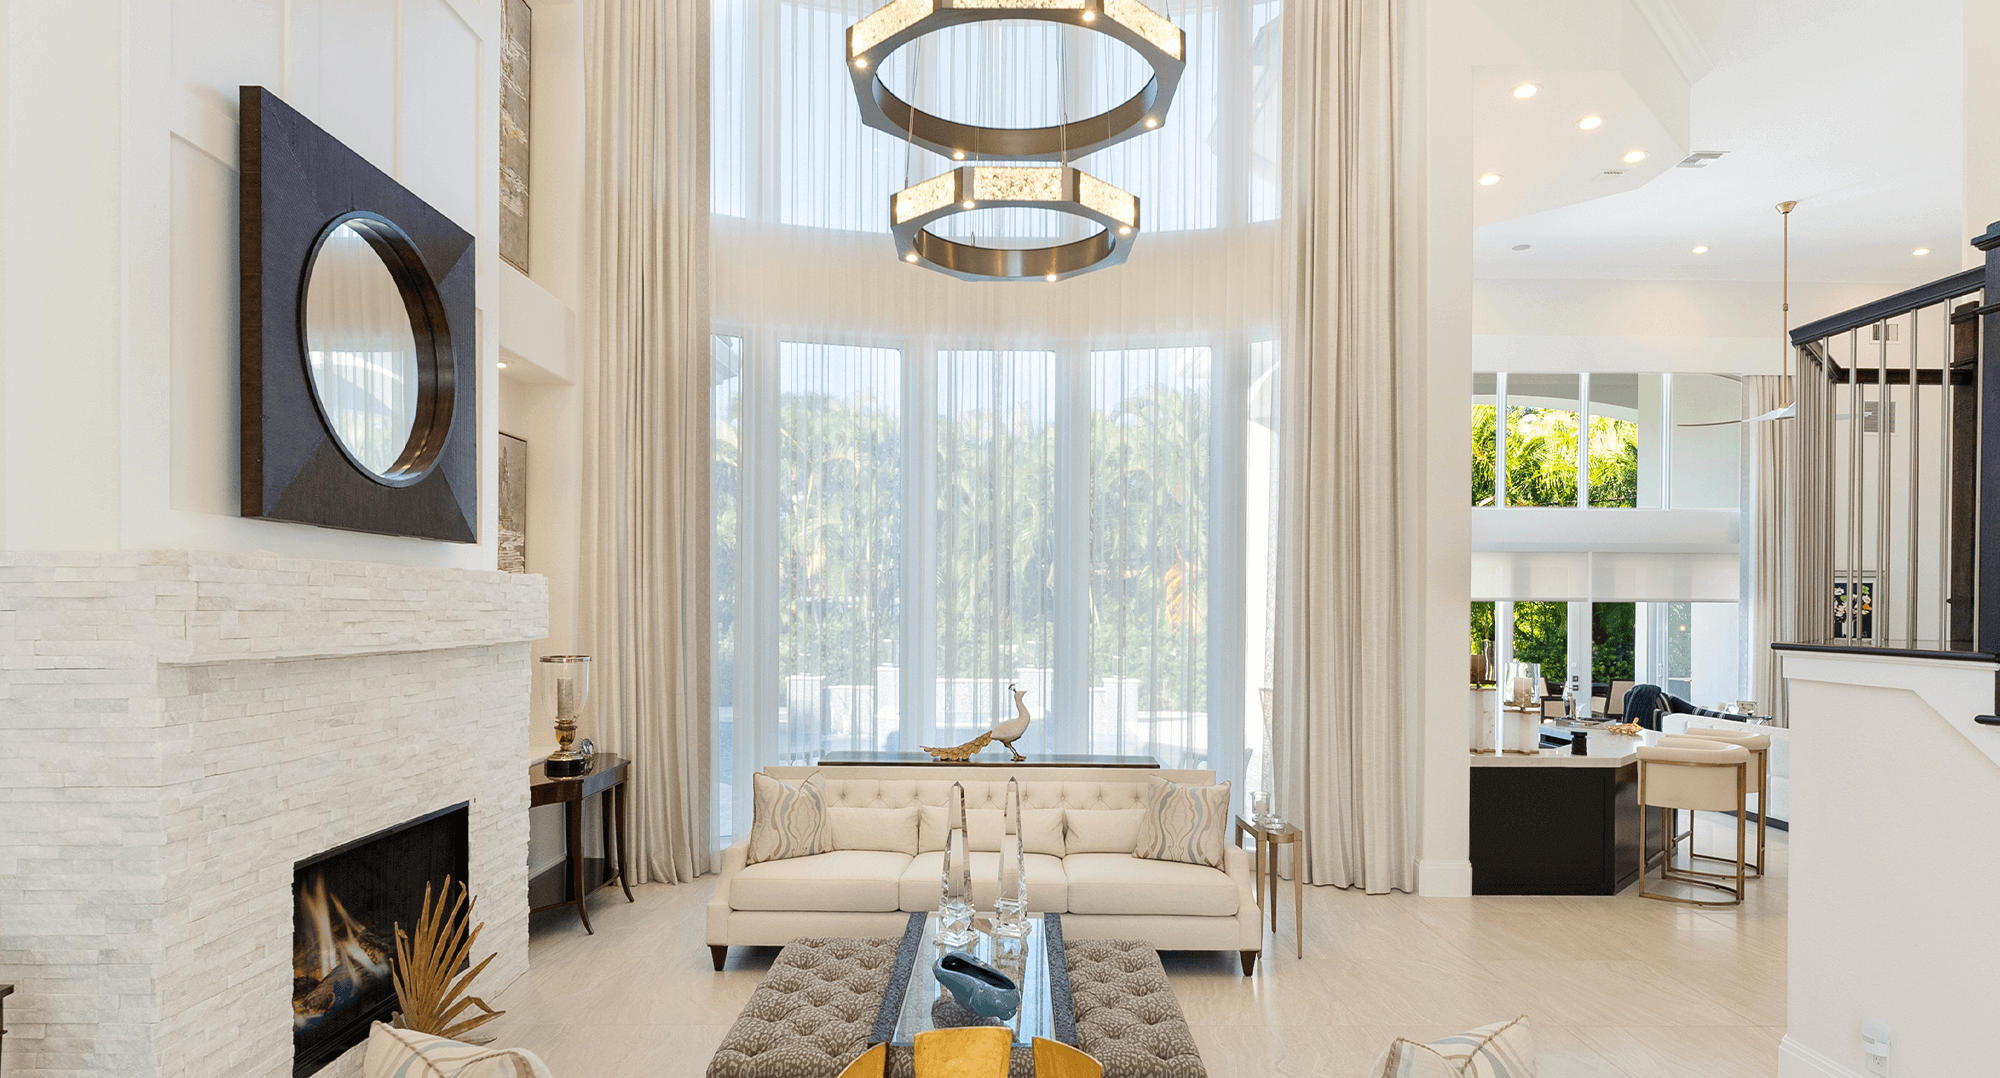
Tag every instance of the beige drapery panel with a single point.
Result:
(1341, 718)
(1770, 505)
(644, 611)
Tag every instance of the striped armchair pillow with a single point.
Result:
(1501, 1050)
(405, 1053)
(1184, 823)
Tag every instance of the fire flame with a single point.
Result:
(334, 956)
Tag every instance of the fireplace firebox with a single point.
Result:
(346, 904)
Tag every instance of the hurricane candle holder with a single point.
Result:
(566, 684)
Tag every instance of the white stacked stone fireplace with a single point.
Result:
(177, 729)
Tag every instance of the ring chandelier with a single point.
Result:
(1154, 37)
(1051, 187)
(1046, 187)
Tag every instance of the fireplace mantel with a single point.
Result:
(182, 726)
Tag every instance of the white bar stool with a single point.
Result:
(1694, 774)
(1760, 781)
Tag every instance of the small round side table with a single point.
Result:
(1265, 879)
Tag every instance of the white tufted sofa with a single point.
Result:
(1102, 892)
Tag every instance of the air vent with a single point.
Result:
(1871, 417)
(1701, 158)
(1611, 174)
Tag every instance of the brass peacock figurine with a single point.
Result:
(1006, 733)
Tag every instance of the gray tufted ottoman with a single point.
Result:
(814, 1011)
(811, 1014)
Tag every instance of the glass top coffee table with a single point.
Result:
(927, 1005)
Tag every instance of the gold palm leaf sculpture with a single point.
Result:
(428, 986)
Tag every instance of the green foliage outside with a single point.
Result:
(1149, 544)
(840, 527)
(1541, 471)
(1541, 458)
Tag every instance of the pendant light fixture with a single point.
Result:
(1056, 187)
(1153, 36)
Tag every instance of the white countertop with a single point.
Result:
(1606, 750)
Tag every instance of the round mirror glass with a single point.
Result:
(361, 350)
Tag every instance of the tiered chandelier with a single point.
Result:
(1055, 187)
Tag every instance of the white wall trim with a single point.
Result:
(1956, 689)
(1675, 37)
(1795, 1060)
(1444, 879)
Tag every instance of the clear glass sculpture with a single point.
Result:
(1010, 908)
(955, 894)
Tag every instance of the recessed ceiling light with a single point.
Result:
(1635, 157)
(1702, 250)
(967, 203)
(503, 364)
(1520, 247)
(1124, 230)
(911, 257)
(1590, 123)
(862, 62)
(958, 155)
(1526, 89)
(1921, 251)
(1489, 179)
(1090, 16)
(1051, 278)
(1152, 121)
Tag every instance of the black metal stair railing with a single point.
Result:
(1891, 521)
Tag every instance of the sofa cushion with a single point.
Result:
(1501, 1050)
(787, 820)
(1042, 831)
(843, 881)
(1048, 884)
(405, 1053)
(1119, 883)
(1101, 830)
(1184, 823)
(890, 830)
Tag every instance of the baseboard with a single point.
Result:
(1795, 1060)
(1444, 879)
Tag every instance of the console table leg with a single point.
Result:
(573, 817)
(624, 859)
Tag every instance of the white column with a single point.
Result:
(1579, 654)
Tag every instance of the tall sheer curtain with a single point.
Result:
(941, 488)
(1340, 710)
(645, 614)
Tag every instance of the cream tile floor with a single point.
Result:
(1616, 987)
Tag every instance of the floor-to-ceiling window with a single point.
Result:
(937, 489)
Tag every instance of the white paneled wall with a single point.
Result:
(120, 367)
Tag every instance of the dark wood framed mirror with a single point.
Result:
(359, 358)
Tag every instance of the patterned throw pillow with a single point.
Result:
(788, 820)
(1184, 823)
(404, 1053)
(1501, 1050)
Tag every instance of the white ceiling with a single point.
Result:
(1851, 107)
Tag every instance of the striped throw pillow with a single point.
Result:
(1501, 1050)
(787, 820)
(1184, 823)
(404, 1053)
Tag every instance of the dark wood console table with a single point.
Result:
(607, 773)
(5, 991)
(984, 759)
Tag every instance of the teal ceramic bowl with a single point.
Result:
(977, 986)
